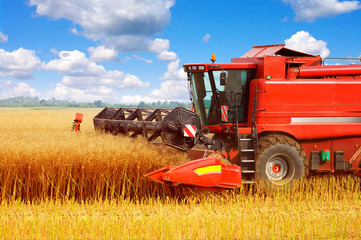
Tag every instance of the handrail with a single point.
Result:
(254, 131)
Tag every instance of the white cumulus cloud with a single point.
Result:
(167, 56)
(171, 90)
(80, 72)
(84, 80)
(123, 60)
(128, 25)
(11, 89)
(74, 63)
(103, 54)
(159, 45)
(174, 72)
(206, 38)
(90, 94)
(174, 87)
(3, 37)
(142, 59)
(310, 10)
(20, 63)
(130, 99)
(303, 41)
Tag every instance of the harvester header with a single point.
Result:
(179, 128)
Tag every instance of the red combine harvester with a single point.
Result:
(278, 115)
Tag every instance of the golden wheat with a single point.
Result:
(41, 158)
(324, 208)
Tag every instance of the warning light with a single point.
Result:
(213, 58)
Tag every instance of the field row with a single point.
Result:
(227, 216)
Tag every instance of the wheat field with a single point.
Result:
(55, 184)
(42, 159)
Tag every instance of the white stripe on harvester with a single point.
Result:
(224, 113)
(190, 130)
(325, 120)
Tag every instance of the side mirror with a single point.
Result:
(223, 80)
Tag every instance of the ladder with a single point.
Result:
(247, 157)
(247, 146)
(246, 143)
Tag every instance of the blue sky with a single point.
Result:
(129, 51)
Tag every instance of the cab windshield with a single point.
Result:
(209, 95)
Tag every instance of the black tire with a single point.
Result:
(280, 162)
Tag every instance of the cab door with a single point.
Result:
(231, 98)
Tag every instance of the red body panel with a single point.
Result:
(312, 109)
(317, 112)
(348, 145)
(322, 112)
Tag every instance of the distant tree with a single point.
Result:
(36, 102)
(142, 105)
(98, 103)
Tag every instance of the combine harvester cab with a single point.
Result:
(278, 114)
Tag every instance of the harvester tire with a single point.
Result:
(280, 163)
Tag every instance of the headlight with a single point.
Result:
(194, 68)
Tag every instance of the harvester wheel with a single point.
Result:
(280, 162)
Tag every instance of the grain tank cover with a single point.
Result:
(269, 50)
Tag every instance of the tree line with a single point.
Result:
(36, 102)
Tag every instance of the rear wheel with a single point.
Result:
(280, 162)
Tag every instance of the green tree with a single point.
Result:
(142, 105)
(98, 103)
